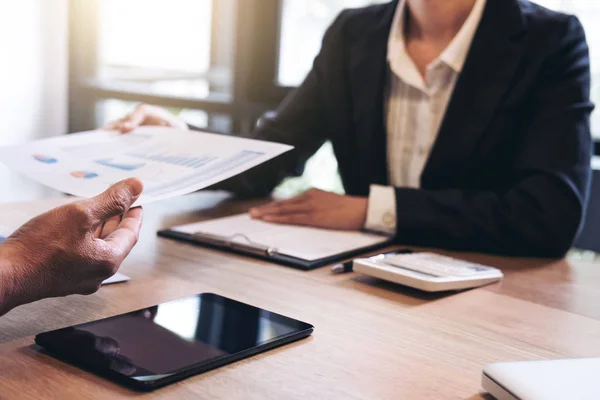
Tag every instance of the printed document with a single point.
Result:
(170, 162)
(297, 241)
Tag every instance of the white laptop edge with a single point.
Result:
(566, 379)
(495, 389)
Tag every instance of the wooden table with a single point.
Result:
(373, 340)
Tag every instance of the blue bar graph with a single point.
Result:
(108, 162)
(222, 165)
(190, 162)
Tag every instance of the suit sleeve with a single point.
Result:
(541, 213)
(299, 121)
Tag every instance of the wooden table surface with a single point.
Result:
(373, 340)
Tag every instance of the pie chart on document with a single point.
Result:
(84, 175)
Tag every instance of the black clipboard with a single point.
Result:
(262, 252)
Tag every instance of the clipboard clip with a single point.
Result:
(230, 242)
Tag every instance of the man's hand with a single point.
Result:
(146, 115)
(316, 208)
(70, 249)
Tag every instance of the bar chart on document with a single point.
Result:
(169, 162)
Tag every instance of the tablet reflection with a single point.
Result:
(100, 351)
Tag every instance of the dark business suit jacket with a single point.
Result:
(510, 168)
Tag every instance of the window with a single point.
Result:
(588, 12)
(172, 53)
(165, 51)
(303, 24)
(165, 41)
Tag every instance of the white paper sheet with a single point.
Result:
(12, 216)
(116, 278)
(296, 241)
(170, 162)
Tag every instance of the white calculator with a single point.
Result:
(429, 272)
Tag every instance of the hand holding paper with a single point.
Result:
(170, 162)
(70, 249)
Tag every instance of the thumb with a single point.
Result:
(116, 200)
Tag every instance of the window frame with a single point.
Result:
(253, 90)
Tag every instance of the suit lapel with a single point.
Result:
(368, 61)
(490, 66)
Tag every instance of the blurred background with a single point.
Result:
(73, 65)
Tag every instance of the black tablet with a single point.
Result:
(159, 345)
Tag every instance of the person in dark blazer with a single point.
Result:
(456, 124)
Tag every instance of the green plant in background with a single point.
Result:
(321, 172)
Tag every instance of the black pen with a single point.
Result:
(347, 266)
(342, 268)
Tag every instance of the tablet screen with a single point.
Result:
(159, 341)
